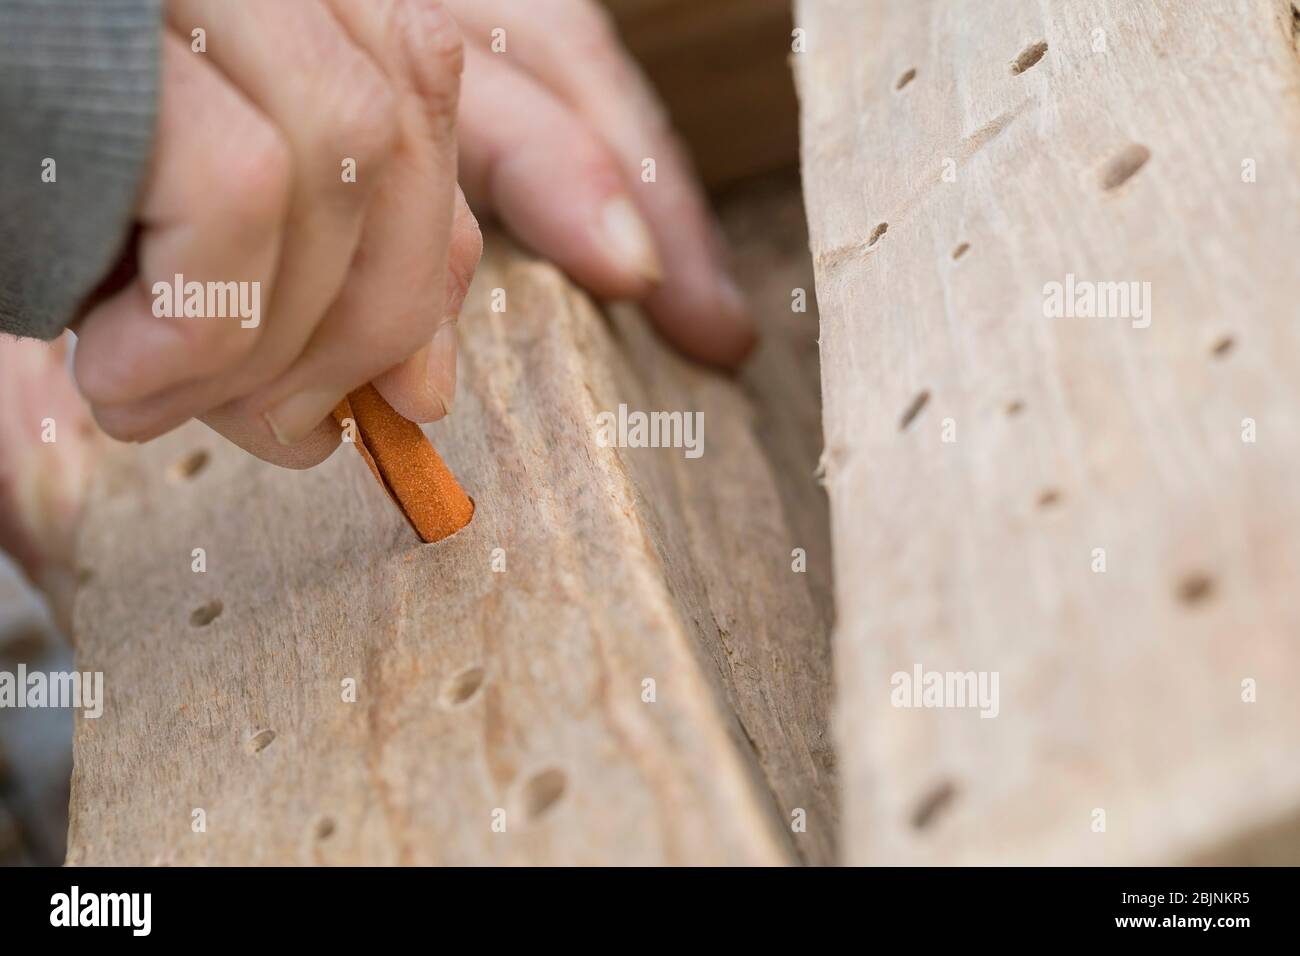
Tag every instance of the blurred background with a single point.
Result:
(35, 745)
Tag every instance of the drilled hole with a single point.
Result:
(463, 686)
(1195, 588)
(1015, 407)
(205, 615)
(906, 78)
(1124, 165)
(324, 828)
(543, 791)
(260, 741)
(1223, 346)
(913, 410)
(961, 250)
(876, 233)
(1048, 498)
(932, 804)
(1029, 56)
(184, 469)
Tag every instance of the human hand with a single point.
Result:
(553, 135)
(357, 281)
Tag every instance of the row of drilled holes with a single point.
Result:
(1027, 58)
(541, 792)
(1191, 589)
(1116, 171)
(543, 789)
(1119, 169)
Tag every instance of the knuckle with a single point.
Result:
(592, 44)
(363, 122)
(254, 178)
(431, 30)
(435, 52)
(586, 34)
(217, 342)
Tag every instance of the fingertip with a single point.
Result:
(253, 434)
(129, 422)
(589, 227)
(732, 349)
(422, 388)
(728, 347)
(716, 329)
(737, 333)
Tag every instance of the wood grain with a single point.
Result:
(476, 690)
(1116, 156)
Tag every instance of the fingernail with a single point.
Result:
(442, 364)
(629, 239)
(298, 415)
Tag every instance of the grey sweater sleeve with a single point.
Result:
(78, 92)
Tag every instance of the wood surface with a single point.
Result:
(476, 690)
(1105, 140)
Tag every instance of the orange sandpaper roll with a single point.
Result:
(403, 461)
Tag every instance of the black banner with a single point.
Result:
(334, 906)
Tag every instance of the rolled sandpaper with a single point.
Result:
(406, 465)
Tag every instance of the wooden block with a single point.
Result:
(502, 669)
(958, 159)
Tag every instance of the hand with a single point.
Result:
(356, 280)
(553, 134)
